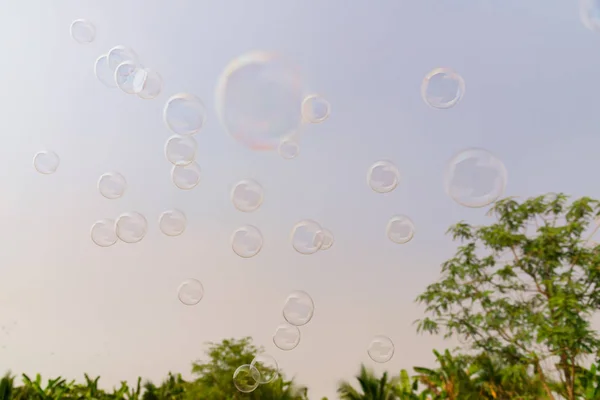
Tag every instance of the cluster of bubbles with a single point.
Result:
(262, 103)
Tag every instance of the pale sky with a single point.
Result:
(69, 306)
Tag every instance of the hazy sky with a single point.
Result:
(70, 307)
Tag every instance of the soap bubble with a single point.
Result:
(247, 195)
(112, 185)
(400, 229)
(131, 227)
(119, 55)
(103, 233)
(184, 114)
(286, 337)
(152, 85)
(245, 378)
(442, 88)
(589, 12)
(130, 77)
(307, 237)
(383, 177)
(381, 349)
(83, 31)
(289, 149)
(327, 240)
(299, 308)
(315, 109)
(172, 222)
(267, 367)
(181, 150)
(186, 177)
(190, 292)
(246, 241)
(46, 162)
(103, 72)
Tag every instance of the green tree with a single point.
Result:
(532, 309)
(215, 376)
(370, 387)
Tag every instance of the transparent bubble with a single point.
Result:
(46, 162)
(267, 367)
(83, 31)
(246, 241)
(327, 240)
(184, 114)
(307, 237)
(245, 378)
(112, 185)
(442, 88)
(151, 86)
(286, 337)
(381, 349)
(186, 177)
(315, 109)
(131, 227)
(247, 195)
(172, 222)
(120, 54)
(589, 12)
(130, 77)
(298, 308)
(400, 229)
(181, 150)
(475, 178)
(103, 72)
(103, 233)
(259, 98)
(383, 177)
(190, 292)
(289, 149)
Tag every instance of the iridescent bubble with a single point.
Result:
(120, 54)
(245, 378)
(298, 308)
(400, 229)
(589, 12)
(289, 149)
(130, 77)
(131, 227)
(83, 31)
(383, 177)
(190, 292)
(327, 239)
(103, 73)
(151, 86)
(186, 177)
(112, 185)
(267, 367)
(259, 99)
(286, 337)
(475, 178)
(246, 241)
(315, 109)
(442, 88)
(181, 150)
(247, 195)
(103, 233)
(184, 114)
(172, 222)
(381, 349)
(307, 237)
(46, 162)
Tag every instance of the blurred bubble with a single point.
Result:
(190, 292)
(400, 229)
(172, 222)
(298, 308)
(267, 367)
(131, 227)
(383, 177)
(475, 178)
(103, 233)
(119, 55)
(327, 240)
(381, 349)
(247, 195)
(589, 12)
(245, 378)
(246, 241)
(46, 162)
(259, 98)
(151, 86)
(83, 31)
(130, 77)
(307, 237)
(286, 337)
(186, 177)
(103, 72)
(289, 149)
(184, 114)
(315, 109)
(181, 150)
(442, 88)
(112, 185)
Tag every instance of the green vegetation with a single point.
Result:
(519, 294)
